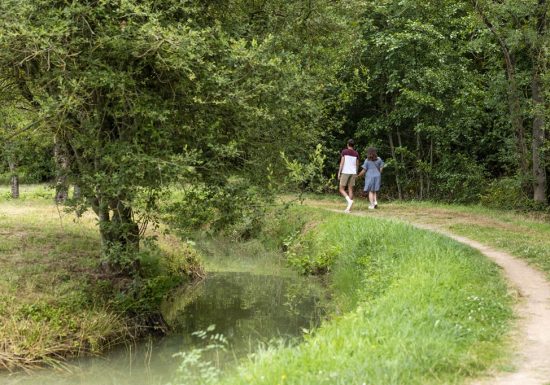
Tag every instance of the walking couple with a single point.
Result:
(372, 167)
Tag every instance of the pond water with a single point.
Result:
(241, 310)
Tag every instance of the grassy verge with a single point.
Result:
(416, 308)
(525, 235)
(54, 302)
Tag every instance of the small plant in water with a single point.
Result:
(195, 369)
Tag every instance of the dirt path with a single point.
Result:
(532, 355)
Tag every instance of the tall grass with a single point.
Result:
(521, 233)
(415, 308)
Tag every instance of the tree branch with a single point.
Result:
(24, 129)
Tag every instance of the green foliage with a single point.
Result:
(189, 208)
(427, 86)
(235, 209)
(183, 260)
(309, 176)
(511, 193)
(283, 223)
(307, 257)
(459, 179)
(194, 369)
(141, 96)
(506, 193)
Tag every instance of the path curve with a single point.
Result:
(532, 357)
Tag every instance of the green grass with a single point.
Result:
(522, 234)
(54, 302)
(416, 308)
(410, 307)
(29, 192)
(45, 260)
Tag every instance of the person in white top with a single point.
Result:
(347, 173)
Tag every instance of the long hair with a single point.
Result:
(371, 153)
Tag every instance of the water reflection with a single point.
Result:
(246, 309)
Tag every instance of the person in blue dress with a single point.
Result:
(372, 167)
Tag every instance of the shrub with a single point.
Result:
(510, 193)
(458, 179)
(235, 209)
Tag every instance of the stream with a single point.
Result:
(239, 311)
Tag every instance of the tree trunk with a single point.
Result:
(516, 114)
(539, 166)
(419, 169)
(404, 174)
(397, 181)
(429, 177)
(61, 160)
(119, 236)
(14, 180)
(400, 144)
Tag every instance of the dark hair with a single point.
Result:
(371, 153)
(351, 143)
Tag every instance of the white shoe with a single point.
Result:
(375, 205)
(350, 203)
(371, 207)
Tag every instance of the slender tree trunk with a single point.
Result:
(420, 171)
(516, 114)
(400, 144)
(397, 180)
(61, 160)
(14, 180)
(429, 179)
(404, 175)
(539, 166)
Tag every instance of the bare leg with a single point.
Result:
(371, 198)
(343, 192)
(349, 199)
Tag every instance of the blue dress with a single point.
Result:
(373, 176)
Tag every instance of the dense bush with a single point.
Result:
(458, 179)
(509, 193)
(235, 209)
